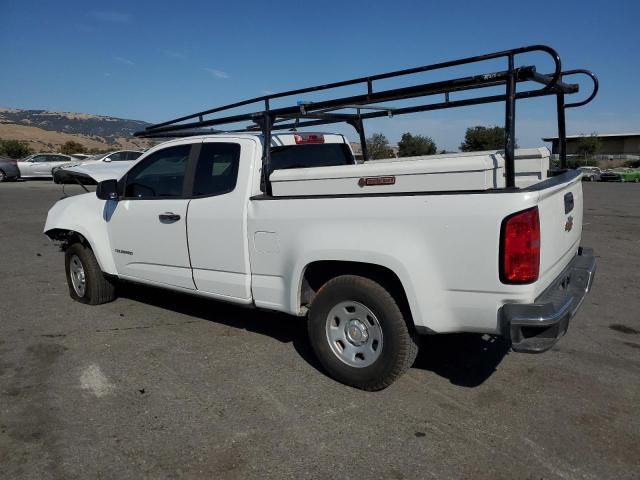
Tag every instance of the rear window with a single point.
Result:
(313, 155)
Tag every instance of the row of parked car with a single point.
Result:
(620, 174)
(55, 165)
(45, 165)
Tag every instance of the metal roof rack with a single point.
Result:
(371, 104)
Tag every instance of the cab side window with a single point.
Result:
(217, 169)
(161, 174)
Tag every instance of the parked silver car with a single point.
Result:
(41, 164)
(8, 169)
(590, 174)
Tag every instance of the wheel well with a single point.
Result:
(67, 237)
(318, 273)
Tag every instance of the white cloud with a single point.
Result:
(124, 61)
(217, 73)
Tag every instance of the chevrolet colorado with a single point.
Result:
(372, 254)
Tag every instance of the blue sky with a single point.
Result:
(156, 60)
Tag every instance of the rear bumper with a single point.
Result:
(536, 327)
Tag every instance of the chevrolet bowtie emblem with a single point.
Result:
(569, 225)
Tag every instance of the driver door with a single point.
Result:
(147, 228)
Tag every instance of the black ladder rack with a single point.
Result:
(371, 104)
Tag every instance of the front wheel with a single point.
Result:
(359, 334)
(3, 176)
(87, 283)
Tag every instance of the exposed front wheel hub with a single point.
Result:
(357, 332)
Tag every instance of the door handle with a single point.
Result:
(169, 217)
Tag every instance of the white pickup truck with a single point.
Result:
(371, 265)
(371, 254)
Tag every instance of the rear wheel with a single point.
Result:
(359, 333)
(3, 176)
(87, 283)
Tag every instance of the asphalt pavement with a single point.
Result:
(161, 385)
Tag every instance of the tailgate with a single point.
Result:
(560, 209)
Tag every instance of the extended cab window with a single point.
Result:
(217, 169)
(161, 174)
(313, 155)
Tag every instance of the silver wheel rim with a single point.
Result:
(78, 279)
(354, 334)
(2, 176)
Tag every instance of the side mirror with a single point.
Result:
(107, 190)
(108, 159)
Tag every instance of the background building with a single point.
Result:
(610, 146)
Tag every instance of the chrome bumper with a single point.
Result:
(536, 327)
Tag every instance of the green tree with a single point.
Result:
(588, 146)
(71, 147)
(484, 138)
(15, 148)
(414, 145)
(378, 147)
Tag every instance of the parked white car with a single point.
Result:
(119, 156)
(42, 164)
(115, 162)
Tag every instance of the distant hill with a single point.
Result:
(45, 130)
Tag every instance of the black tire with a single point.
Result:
(3, 176)
(98, 289)
(400, 342)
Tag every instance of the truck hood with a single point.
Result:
(95, 171)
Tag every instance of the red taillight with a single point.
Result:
(520, 247)
(303, 138)
(13, 162)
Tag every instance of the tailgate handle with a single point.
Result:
(568, 202)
